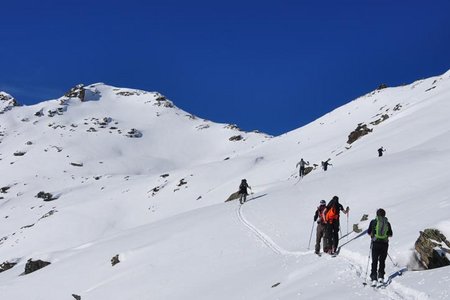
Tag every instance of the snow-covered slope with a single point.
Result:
(132, 175)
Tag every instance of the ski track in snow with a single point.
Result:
(265, 238)
(393, 290)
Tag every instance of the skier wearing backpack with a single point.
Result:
(243, 191)
(319, 216)
(333, 210)
(380, 231)
(302, 165)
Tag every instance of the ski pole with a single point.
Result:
(368, 260)
(347, 222)
(312, 228)
(395, 264)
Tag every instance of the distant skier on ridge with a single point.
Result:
(325, 164)
(380, 151)
(243, 191)
(302, 165)
(380, 231)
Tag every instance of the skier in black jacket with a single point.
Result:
(325, 164)
(380, 231)
(332, 217)
(243, 191)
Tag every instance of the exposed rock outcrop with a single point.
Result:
(382, 86)
(232, 127)
(432, 249)
(39, 113)
(233, 196)
(356, 228)
(161, 100)
(77, 91)
(361, 130)
(19, 153)
(48, 214)
(6, 266)
(308, 170)
(236, 138)
(34, 265)
(45, 196)
(381, 119)
(134, 133)
(4, 189)
(115, 260)
(7, 102)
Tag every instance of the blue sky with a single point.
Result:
(267, 65)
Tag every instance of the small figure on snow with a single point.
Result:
(380, 151)
(319, 216)
(243, 191)
(380, 231)
(302, 165)
(333, 210)
(325, 164)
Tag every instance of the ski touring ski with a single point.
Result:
(358, 236)
(346, 235)
(388, 281)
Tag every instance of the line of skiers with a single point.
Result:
(328, 226)
(380, 230)
(302, 163)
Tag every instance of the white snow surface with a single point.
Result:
(157, 200)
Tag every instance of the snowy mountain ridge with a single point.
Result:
(125, 173)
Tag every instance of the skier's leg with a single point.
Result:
(383, 255)
(335, 236)
(375, 258)
(319, 234)
(323, 235)
(373, 270)
(327, 238)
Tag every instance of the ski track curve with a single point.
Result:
(265, 238)
(394, 291)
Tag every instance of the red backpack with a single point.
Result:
(331, 215)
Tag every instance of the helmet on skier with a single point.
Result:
(323, 202)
